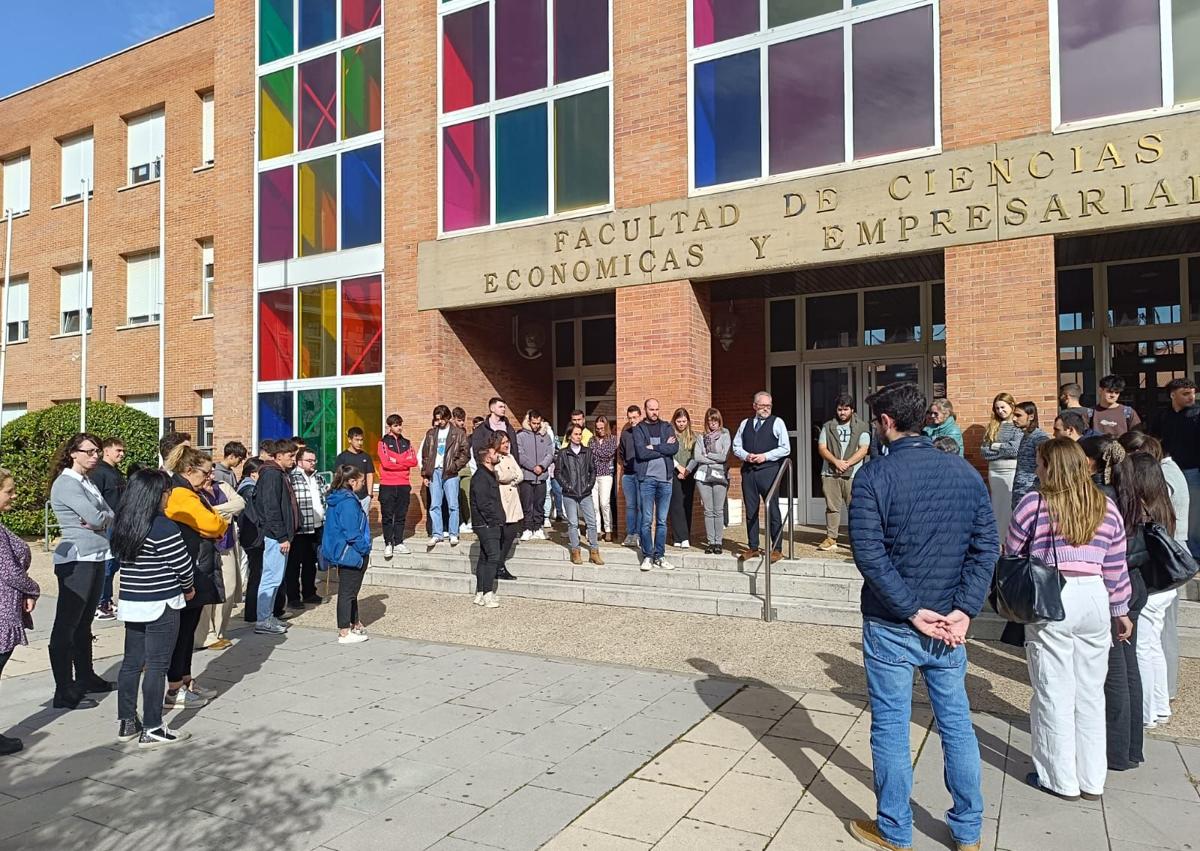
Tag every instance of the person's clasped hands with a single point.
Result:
(949, 629)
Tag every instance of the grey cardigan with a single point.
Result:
(76, 503)
(711, 461)
(1009, 440)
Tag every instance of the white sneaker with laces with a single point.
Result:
(183, 699)
(454, 540)
(464, 527)
(546, 523)
(539, 535)
(683, 545)
(387, 550)
(490, 601)
(478, 601)
(164, 735)
(206, 693)
(352, 638)
(665, 565)
(402, 550)
(527, 535)
(647, 564)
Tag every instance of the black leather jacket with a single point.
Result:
(575, 472)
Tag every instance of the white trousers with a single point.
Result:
(1000, 483)
(1152, 661)
(602, 503)
(215, 618)
(1068, 662)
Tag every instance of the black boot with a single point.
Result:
(73, 697)
(10, 746)
(503, 573)
(93, 683)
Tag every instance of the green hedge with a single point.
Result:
(30, 441)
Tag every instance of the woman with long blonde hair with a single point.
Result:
(683, 486)
(1001, 443)
(1070, 524)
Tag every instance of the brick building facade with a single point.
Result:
(582, 203)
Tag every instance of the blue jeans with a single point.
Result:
(890, 653)
(556, 499)
(439, 492)
(654, 500)
(274, 565)
(629, 487)
(1193, 539)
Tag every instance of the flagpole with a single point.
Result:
(8, 215)
(83, 316)
(162, 294)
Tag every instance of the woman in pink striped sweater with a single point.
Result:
(1069, 522)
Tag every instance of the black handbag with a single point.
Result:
(1025, 589)
(1169, 565)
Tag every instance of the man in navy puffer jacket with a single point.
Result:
(925, 541)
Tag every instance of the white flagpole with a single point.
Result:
(8, 215)
(162, 294)
(83, 314)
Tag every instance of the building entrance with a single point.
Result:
(585, 368)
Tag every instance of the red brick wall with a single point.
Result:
(1000, 329)
(168, 73)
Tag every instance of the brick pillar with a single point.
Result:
(1000, 329)
(663, 347)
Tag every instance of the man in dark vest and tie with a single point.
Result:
(762, 443)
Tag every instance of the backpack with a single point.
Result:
(248, 531)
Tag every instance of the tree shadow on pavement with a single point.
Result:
(805, 742)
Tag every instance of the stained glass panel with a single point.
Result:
(359, 15)
(781, 12)
(465, 58)
(581, 145)
(275, 115)
(275, 347)
(807, 102)
(318, 22)
(466, 176)
(363, 407)
(362, 87)
(893, 83)
(318, 331)
(362, 197)
(521, 176)
(318, 102)
(275, 33)
(1185, 35)
(362, 326)
(318, 206)
(275, 232)
(1109, 58)
(580, 38)
(318, 423)
(520, 46)
(727, 120)
(274, 416)
(717, 20)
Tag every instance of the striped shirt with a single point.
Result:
(162, 569)
(1104, 555)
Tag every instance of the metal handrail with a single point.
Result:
(46, 527)
(788, 468)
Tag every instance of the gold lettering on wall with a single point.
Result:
(907, 223)
(1035, 170)
(833, 237)
(999, 170)
(793, 204)
(1161, 192)
(938, 216)
(1109, 155)
(1150, 148)
(760, 244)
(871, 235)
(826, 200)
(979, 217)
(893, 187)
(961, 179)
(1091, 199)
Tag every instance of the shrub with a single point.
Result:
(29, 443)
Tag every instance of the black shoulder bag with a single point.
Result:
(1169, 565)
(1024, 588)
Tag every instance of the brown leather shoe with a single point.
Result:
(754, 552)
(776, 555)
(867, 832)
(594, 558)
(576, 558)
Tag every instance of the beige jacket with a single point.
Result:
(508, 473)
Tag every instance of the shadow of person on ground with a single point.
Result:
(796, 741)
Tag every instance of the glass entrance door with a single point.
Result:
(585, 369)
(823, 383)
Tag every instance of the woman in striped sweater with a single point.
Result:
(156, 583)
(1069, 523)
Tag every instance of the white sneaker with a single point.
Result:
(683, 545)
(402, 550)
(387, 550)
(665, 565)
(527, 535)
(465, 527)
(164, 735)
(478, 598)
(352, 638)
(546, 523)
(454, 540)
(490, 601)
(539, 535)
(647, 564)
(630, 541)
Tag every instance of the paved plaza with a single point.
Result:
(403, 744)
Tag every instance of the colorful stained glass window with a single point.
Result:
(362, 326)
(807, 102)
(1185, 33)
(275, 416)
(359, 15)
(465, 58)
(317, 220)
(275, 33)
(781, 12)
(318, 22)
(275, 115)
(581, 143)
(1091, 35)
(362, 86)
(318, 331)
(362, 197)
(318, 102)
(275, 232)
(520, 46)
(727, 123)
(580, 38)
(363, 407)
(466, 176)
(521, 177)
(317, 411)
(275, 348)
(894, 78)
(717, 20)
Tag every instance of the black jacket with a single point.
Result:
(109, 481)
(248, 533)
(275, 503)
(486, 509)
(483, 433)
(575, 472)
(210, 586)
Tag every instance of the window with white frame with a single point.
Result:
(207, 274)
(1116, 57)
(146, 403)
(142, 283)
(16, 310)
(76, 166)
(70, 295)
(11, 411)
(207, 130)
(780, 87)
(145, 139)
(16, 185)
(525, 110)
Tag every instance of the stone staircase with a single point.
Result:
(803, 590)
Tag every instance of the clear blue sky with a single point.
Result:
(43, 39)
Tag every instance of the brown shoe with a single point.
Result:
(776, 555)
(576, 558)
(974, 846)
(867, 832)
(754, 552)
(594, 558)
